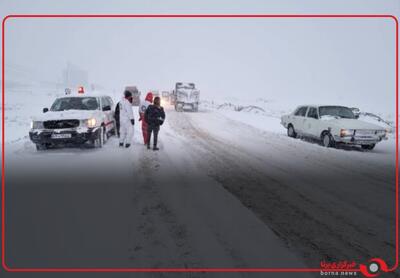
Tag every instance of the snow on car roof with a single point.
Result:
(86, 94)
(319, 105)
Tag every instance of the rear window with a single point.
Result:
(301, 111)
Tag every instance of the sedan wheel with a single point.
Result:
(327, 140)
(291, 132)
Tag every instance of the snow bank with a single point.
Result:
(260, 113)
(265, 114)
(20, 107)
(377, 120)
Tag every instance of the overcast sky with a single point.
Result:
(344, 61)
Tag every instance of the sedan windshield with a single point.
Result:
(336, 111)
(75, 103)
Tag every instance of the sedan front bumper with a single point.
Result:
(358, 140)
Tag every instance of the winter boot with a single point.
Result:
(121, 144)
(155, 148)
(127, 145)
(148, 146)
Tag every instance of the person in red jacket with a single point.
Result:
(142, 110)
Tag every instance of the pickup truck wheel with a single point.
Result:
(327, 140)
(179, 107)
(105, 135)
(98, 142)
(368, 147)
(291, 132)
(41, 147)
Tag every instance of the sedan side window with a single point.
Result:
(301, 111)
(312, 113)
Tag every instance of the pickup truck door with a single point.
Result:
(106, 107)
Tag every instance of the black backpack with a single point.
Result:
(116, 114)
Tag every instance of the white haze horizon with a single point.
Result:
(347, 61)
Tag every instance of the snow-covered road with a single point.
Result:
(325, 203)
(220, 193)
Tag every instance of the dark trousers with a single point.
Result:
(117, 126)
(153, 129)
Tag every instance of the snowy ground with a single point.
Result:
(226, 189)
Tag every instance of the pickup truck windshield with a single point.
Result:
(336, 111)
(75, 103)
(185, 86)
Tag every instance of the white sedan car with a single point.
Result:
(332, 125)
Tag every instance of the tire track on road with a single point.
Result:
(317, 231)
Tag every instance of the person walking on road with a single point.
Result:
(126, 119)
(154, 116)
(116, 117)
(143, 106)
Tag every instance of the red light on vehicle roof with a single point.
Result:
(81, 90)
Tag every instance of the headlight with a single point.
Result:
(346, 132)
(381, 132)
(36, 125)
(89, 122)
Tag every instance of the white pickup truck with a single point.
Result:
(74, 119)
(332, 125)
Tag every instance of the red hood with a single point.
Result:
(149, 97)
